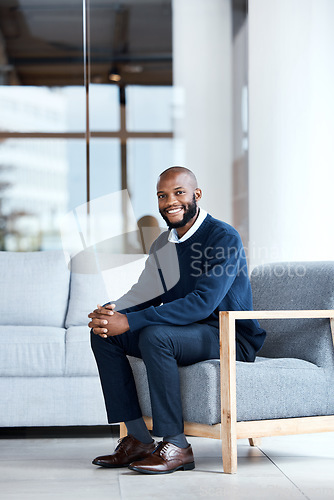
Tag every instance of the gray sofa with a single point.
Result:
(48, 375)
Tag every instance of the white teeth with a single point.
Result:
(174, 210)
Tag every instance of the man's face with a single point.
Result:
(177, 197)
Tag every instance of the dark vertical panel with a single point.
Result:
(86, 52)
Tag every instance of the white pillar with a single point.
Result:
(202, 48)
(291, 128)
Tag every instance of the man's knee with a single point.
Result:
(97, 343)
(94, 340)
(153, 337)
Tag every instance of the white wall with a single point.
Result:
(202, 59)
(291, 127)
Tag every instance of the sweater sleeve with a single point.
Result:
(222, 265)
(145, 293)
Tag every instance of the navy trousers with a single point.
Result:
(162, 348)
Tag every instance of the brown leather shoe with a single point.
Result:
(128, 450)
(166, 458)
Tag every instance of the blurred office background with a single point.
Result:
(98, 96)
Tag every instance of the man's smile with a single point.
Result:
(174, 210)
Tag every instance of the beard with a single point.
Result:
(189, 213)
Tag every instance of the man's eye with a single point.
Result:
(179, 192)
(160, 196)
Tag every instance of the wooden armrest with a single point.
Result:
(282, 314)
(227, 325)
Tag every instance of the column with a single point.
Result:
(291, 126)
(202, 60)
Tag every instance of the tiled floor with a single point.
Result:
(53, 467)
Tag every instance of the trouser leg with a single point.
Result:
(163, 348)
(116, 375)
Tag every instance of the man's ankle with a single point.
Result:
(178, 440)
(137, 428)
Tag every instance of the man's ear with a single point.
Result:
(198, 194)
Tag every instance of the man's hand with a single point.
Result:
(106, 322)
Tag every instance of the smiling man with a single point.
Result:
(181, 210)
(177, 327)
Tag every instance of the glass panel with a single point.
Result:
(41, 66)
(104, 108)
(41, 42)
(42, 109)
(75, 108)
(76, 177)
(131, 42)
(36, 190)
(105, 167)
(149, 108)
(106, 208)
(147, 158)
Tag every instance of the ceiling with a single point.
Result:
(41, 41)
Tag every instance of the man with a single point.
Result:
(176, 325)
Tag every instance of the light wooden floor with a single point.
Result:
(50, 467)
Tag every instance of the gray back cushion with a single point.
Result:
(34, 288)
(296, 285)
(90, 287)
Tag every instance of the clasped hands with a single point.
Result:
(106, 322)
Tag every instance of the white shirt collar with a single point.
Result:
(173, 237)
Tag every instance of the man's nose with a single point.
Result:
(171, 199)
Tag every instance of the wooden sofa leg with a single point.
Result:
(122, 430)
(229, 452)
(254, 441)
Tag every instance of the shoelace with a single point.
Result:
(165, 447)
(162, 447)
(120, 442)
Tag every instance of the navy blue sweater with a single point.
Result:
(191, 282)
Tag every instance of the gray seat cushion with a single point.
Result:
(79, 355)
(32, 351)
(266, 389)
(45, 401)
(280, 388)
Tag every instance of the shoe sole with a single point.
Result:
(107, 466)
(110, 466)
(189, 466)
